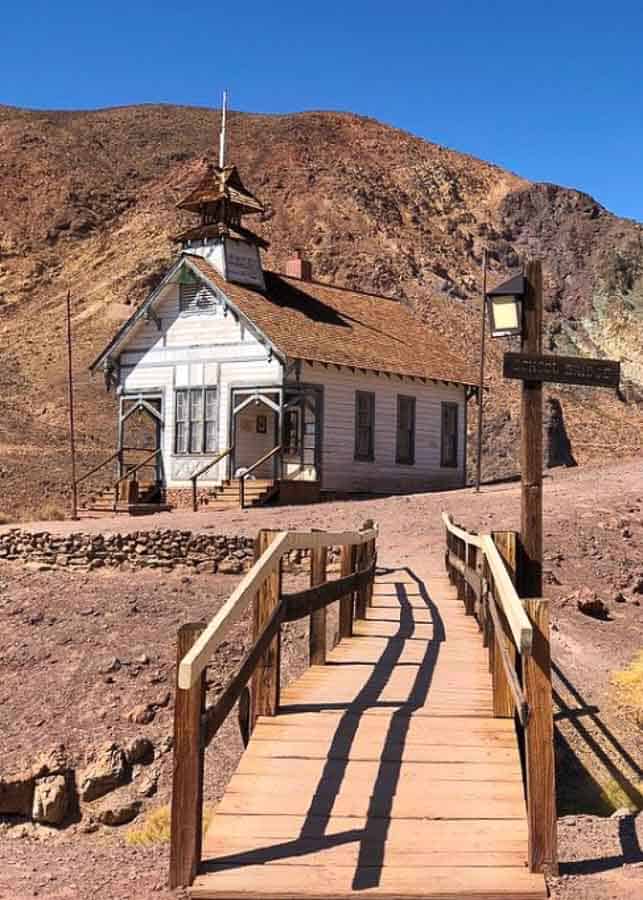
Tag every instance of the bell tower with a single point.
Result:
(220, 200)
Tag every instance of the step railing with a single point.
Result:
(129, 474)
(206, 468)
(244, 475)
(485, 570)
(255, 686)
(117, 457)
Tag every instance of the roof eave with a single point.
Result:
(134, 318)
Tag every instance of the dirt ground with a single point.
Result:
(63, 630)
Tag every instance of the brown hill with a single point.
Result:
(88, 203)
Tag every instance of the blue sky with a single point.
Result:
(550, 90)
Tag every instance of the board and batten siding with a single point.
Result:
(195, 349)
(342, 472)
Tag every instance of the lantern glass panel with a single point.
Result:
(505, 315)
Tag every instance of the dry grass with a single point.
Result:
(48, 512)
(629, 683)
(155, 827)
(616, 797)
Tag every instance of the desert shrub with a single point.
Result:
(48, 512)
(155, 827)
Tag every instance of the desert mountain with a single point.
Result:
(88, 204)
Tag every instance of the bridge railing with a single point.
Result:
(485, 569)
(255, 687)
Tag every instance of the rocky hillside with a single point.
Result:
(88, 204)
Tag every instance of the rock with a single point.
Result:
(163, 700)
(16, 794)
(590, 604)
(230, 566)
(619, 597)
(143, 659)
(104, 775)
(142, 714)
(51, 762)
(37, 567)
(112, 664)
(147, 784)
(119, 808)
(139, 750)
(558, 448)
(51, 800)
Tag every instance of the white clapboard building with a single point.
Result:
(278, 385)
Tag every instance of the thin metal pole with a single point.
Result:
(483, 332)
(222, 133)
(72, 437)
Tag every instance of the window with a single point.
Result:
(194, 298)
(364, 425)
(405, 448)
(196, 420)
(449, 435)
(292, 430)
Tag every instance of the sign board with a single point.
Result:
(563, 369)
(242, 263)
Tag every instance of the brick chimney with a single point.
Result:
(298, 267)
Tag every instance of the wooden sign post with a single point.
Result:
(531, 439)
(532, 367)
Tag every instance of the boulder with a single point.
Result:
(589, 603)
(105, 774)
(50, 800)
(16, 794)
(139, 750)
(118, 808)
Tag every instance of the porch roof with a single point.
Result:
(324, 323)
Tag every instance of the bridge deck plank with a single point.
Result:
(384, 773)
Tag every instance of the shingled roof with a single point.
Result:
(328, 324)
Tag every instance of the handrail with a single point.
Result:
(195, 660)
(255, 686)
(516, 634)
(517, 619)
(522, 707)
(250, 470)
(466, 536)
(521, 628)
(140, 465)
(99, 466)
(204, 469)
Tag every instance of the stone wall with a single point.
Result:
(161, 549)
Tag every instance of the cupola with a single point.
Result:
(220, 200)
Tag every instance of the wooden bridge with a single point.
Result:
(413, 759)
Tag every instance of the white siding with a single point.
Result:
(341, 472)
(192, 350)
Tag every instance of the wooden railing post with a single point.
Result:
(187, 783)
(539, 743)
(317, 624)
(195, 505)
(347, 567)
(363, 558)
(265, 682)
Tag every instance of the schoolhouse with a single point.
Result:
(274, 386)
